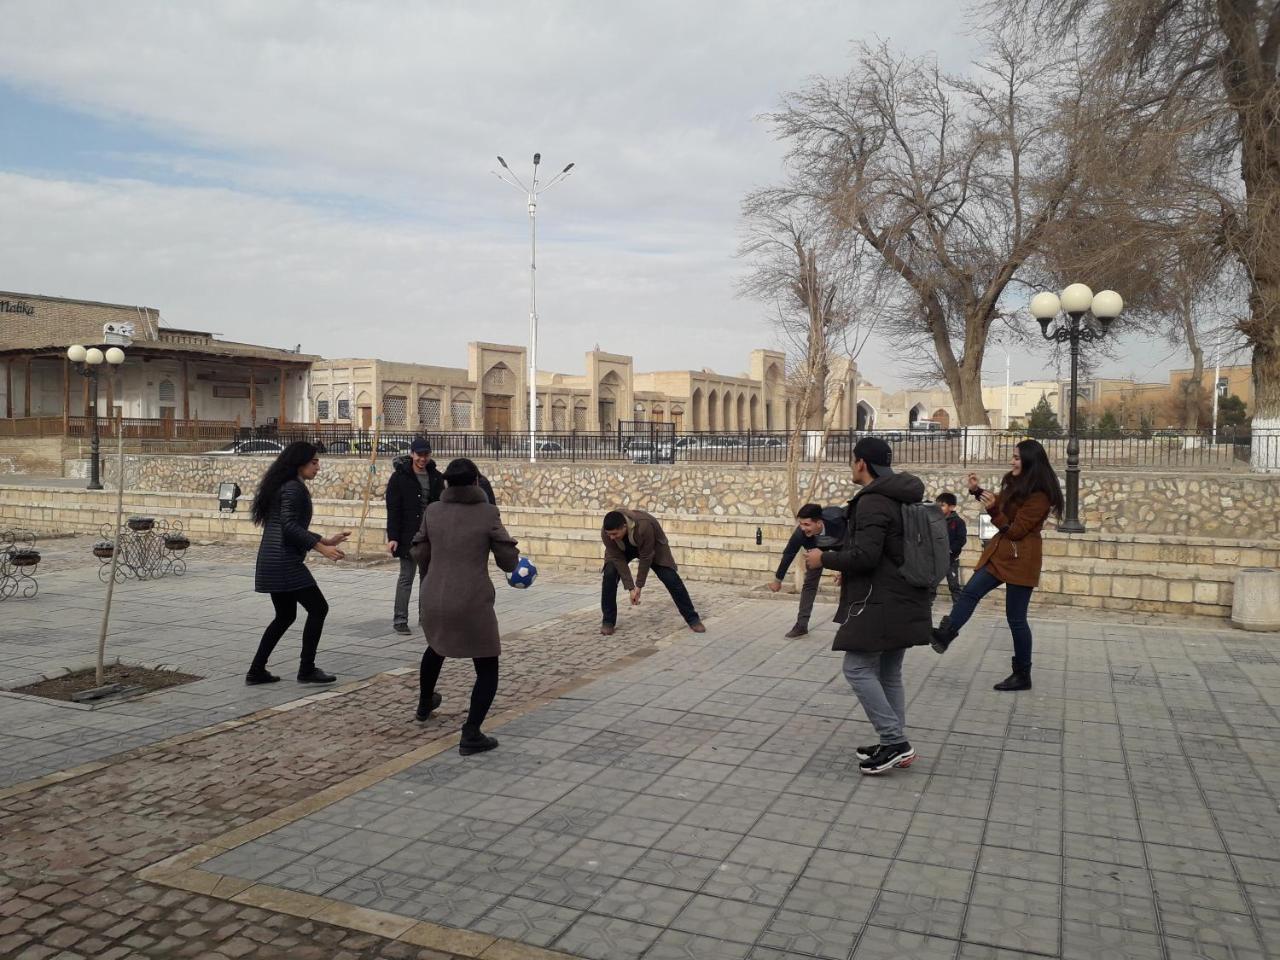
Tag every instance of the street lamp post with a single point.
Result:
(87, 362)
(1076, 300)
(531, 194)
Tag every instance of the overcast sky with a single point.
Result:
(292, 172)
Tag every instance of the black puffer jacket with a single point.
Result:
(407, 501)
(879, 610)
(282, 554)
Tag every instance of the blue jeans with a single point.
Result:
(1016, 601)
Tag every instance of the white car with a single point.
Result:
(249, 448)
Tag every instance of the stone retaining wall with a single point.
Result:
(1116, 571)
(1133, 501)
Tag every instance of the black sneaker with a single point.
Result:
(866, 753)
(426, 714)
(796, 631)
(315, 675)
(888, 757)
(401, 628)
(255, 677)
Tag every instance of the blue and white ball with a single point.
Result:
(523, 575)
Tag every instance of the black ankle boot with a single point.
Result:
(473, 741)
(1020, 679)
(425, 708)
(942, 635)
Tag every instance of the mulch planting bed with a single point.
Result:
(61, 688)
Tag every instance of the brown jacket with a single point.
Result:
(452, 547)
(1013, 554)
(645, 534)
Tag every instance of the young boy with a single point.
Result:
(958, 534)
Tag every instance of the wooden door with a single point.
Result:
(366, 418)
(497, 414)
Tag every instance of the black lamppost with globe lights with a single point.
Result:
(1076, 301)
(87, 361)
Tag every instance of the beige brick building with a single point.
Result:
(491, 394)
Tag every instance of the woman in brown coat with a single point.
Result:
(1028, 493)
(455, 603)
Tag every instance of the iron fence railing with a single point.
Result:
(658, 442)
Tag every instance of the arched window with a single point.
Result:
(322, 407)
(395, 410)
(429, 413)
(167, 393)
(460, 411)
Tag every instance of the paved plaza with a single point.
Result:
(205, 623)
(657, 793)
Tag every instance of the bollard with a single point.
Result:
(1255, 603)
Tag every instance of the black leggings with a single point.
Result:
(286, 605)
(482, 694)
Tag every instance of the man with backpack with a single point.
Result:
(894, 545)
(817, 528)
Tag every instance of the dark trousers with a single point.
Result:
(670, 579)
(953, 579)
(404, 590)
(482, 693)
(1016, 602)
(286, 604)
(808, 594)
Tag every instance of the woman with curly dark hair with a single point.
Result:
(282, 507)
(1028, 493)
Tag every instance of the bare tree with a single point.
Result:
(1210, 69)
(954, 183)
(809, 279)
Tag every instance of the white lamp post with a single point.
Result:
(87, 361)
(1076, 301)
(531, 193)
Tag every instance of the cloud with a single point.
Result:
(326, 178)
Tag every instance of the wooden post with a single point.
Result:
(186, 392)
(253, 399)
(66, 395)
(283, 386)
(115, 554)
(368, 484)
(26, 389)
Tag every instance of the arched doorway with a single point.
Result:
(726, 423)
(609, 389)
(713, 411)
(697, 409)
(742, 422)
(866, 416)
(942, 418)
(755, 412)
(917, 413)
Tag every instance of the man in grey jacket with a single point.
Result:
(880, 613)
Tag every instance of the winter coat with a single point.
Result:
(1014, 554)
(957, 534)
(879, 610)
(281, 565)
(652, 549)
(452, 547)
(832, 526)
(407, 501)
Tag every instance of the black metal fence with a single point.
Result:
(660, 443)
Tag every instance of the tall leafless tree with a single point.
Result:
(954, 183)
(1210, 68)
(808, 277)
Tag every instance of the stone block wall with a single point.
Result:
(1221, 506)
(1163, 573)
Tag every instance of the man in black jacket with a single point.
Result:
(816, 528)
(415, 482)
(881, 614)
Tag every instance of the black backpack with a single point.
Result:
(926, 548)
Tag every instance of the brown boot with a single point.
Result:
(697, 627)
(606, 629)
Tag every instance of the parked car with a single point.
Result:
(247, 448)
(647, 451)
